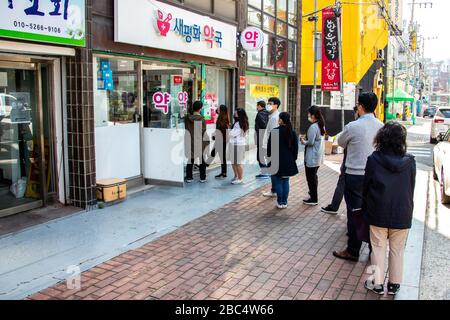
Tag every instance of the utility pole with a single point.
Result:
(411, 29)
(338, 13)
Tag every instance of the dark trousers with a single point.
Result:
(190, 167)
(354, 199)
(313, 182)
(222, 150)
(338, 192)
(260, 157)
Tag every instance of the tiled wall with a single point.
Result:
(80, 122)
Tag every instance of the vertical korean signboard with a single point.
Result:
(50, 21)
(330, 52)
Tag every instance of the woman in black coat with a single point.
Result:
(283, 157)
(388, 203)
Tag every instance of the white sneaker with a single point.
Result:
(269, 194)
(285, 206)
(281, 206)
(237, 181)
(202, 181)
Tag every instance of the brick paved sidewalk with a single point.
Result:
(247, 249)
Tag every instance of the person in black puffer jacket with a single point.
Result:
(388, 203)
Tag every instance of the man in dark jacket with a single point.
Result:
(196, 141)
(262, 117)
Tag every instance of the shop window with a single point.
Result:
(292, 57)
(292, 12)
(280, 55)
(268, 52)
(202, 5)
(282, 29)
(169, 90)
(254, 17)
(254, 59)
(269, 23)
(323, 98)
(269, 6)
(292, 33)
(225, 8)
(281, 10)
(255, 3)
(217, 89)
(116, 92)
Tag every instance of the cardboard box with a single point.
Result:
(111, 190)
(328, 147)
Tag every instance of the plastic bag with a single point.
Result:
(18, 188)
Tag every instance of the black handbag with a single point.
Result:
(361, 225)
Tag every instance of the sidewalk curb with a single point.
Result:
(414, 246)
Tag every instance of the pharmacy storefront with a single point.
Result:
(35, 39)
(141, 99)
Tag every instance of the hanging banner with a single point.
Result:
(330, 52)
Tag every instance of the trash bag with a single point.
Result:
(18, 188)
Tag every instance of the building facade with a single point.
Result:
(112, 102)
(365, 35)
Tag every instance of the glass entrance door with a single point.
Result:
(168, 92)
(25, 151)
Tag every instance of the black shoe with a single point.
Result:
(310, 202)
(369, 285)
(330, 210)
(393, 288)
(221, 176)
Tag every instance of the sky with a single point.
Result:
(433, 23)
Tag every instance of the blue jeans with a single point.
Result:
(281, 186)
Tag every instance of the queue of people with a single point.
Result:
(376, 166)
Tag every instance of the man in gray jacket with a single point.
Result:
(274, 104)
(358, 138)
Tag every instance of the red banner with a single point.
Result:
(330, 52)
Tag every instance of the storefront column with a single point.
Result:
(80, 122)
(242, 9)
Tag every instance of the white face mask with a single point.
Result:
(269, 108)
(310, 119)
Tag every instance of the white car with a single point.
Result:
(440, 124)
(441, 170)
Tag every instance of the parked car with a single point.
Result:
(440, 124)
(430, 112)
(441, 168)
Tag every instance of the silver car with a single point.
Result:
(441, 160)
(440, 124)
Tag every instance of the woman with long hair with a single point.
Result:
(238, 142)
(314, 152)
(284, 161)
(221, 138)
(388, 204)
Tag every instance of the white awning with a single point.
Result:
(32, 48)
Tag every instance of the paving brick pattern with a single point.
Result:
(247, 249)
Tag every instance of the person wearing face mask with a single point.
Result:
(338, 196)
(261, 120)
(358, 139)
(273, 105)
(238, 141)
(314, 151)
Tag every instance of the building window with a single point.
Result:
(202, 5)
(116, 91)
(225, 8)
(278, 20)
(323, 98)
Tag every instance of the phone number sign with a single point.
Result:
(50, 21)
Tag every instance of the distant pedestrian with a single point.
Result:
(261, 120)
(221, 139)
(238, 143)
(333, 208)
(388, 204)
(358, 137)
(284, 157)
(314, 151)
(273, 105)
(195, 141)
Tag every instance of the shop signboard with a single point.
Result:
(161, 101)
(330, 52)
(242, 82)
(349, 97)
(168, 27)
(264, 90)
(252, 39)
(50, 21)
